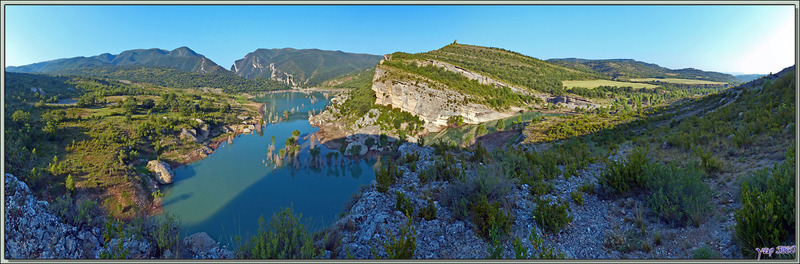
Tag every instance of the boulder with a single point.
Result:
(200, 243)
(162, 171)
(188, 134)
(362, 151)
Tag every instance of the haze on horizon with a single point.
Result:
(732, 39)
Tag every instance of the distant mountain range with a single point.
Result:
(306, 67)
(623, 69)
(181, 58)
(302, 67)
(748, 77)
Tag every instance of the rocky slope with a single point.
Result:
(365, 226)
(301, 67)
(32, 231)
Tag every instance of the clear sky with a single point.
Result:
(734, 39)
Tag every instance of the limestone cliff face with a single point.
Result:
(434, 105)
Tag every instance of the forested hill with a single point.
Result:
(301, 67)
(629, 69)
(508, 66)
(181, 58)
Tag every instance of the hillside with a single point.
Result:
(628, 69)
(181, 58)
(303, 67)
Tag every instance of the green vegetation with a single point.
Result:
(170, 77)
(401, 245)
(552, 216)
(543, 252)
(767, 215)
(621, 176)
(388, 173)
(352, 80)
(428, 212)
(403, 204)
(627, 68)
(577, 197)
(510, 67)
(706, 252)
(283, 237)
(678, 195)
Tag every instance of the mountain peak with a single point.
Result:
(183, 51)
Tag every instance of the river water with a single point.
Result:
(225, 193)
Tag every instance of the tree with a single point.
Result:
(481, 130)
(21, 117)
(296, 133)
(70, 184)
(148, 103)
(501, 124)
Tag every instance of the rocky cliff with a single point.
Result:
(431, 103)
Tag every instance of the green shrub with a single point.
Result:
(577, 197)
(705, 252)
(387, 175)
(403, 245)
(587, 188)
(428, 212)
(619, 177)
(462, 195)
(283, 237)
(489, 216)
(767, 215)
(678, 195)
(519, 250)
(403, 204)
(543, 252)
(707, 161)
(167, 233)
(551, 217)
(539, 188)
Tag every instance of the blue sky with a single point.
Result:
(742, 39)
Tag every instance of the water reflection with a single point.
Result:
(225, 193)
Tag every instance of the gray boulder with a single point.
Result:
(162, 171)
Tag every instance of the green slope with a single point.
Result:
(628, 69)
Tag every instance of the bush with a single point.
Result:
(387, 175)
(167, 233)
(544, 252)
(489, 217)
(283, 237)
(551, 217)
(403, 245)
(767, 215)
(404, 205)
(461, 196)
(86, 213)
(621, 176)
(577, 197)
(707, 161)
(705, 252)
(678, 195)
(428, 212)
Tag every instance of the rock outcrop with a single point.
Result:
(434, 105)
(162, 171)
(33, 232)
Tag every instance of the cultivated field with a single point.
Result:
(674, 80)
(598, 83)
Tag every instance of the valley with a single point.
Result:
(456, 153)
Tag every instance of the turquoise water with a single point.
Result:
(224, 194)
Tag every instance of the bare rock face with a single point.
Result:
(188, 134)
(434, 105)
(162, 171)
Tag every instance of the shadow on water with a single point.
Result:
(178, 199)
